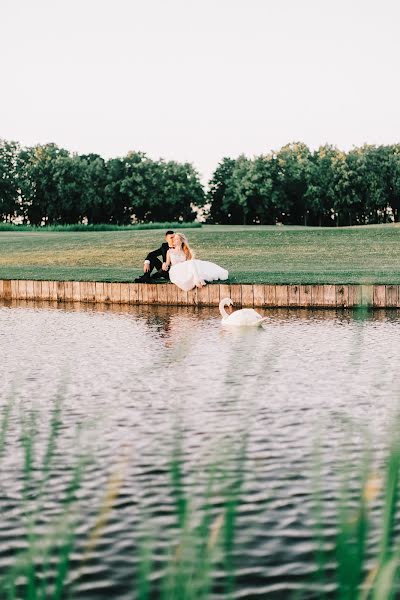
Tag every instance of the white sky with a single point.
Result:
(196, 80)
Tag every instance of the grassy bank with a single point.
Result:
(252, 254)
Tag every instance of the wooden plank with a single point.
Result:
(22, 289)
(181, 297)
(269, 295)
(342, 295)
(6, 289)
(45, 291)
(99, 291)
(392, 296)
(60, 291)
(30, 294)
(135, 293)
(107, 292)
(367, 292)
(37, 290)
(68, 291)
(329, 295)
(281, 295)
(213, 294)
(293, 295)
(124, 293)
(317, 295)
(162, 293)
(236, 294)
(53, 291)
(115, 293)
(83, 291)
(224, 291)
(172, 294)
(247, 295)
(89, 291)
(144, 299)
(304, 295)
(192, 297)
(1, 288)
(14, 289)
(152, 292)
(354, 295)
(76, 291)
(379, 296)
(258, 294)
(203, 296)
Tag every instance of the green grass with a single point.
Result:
(252, 254)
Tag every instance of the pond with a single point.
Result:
(133, 388)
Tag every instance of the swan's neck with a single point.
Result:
(222, 310)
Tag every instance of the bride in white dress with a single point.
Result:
(186, 271)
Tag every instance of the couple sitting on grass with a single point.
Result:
(179, 265)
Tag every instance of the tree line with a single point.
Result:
(300, 187)
(47, 185)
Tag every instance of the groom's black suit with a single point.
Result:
(155, 262)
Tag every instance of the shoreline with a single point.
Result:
(246, 295)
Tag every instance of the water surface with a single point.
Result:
(135, 379)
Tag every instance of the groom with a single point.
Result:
(153, 262)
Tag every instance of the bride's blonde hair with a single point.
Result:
(185, 246)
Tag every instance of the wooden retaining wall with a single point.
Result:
(262, 296)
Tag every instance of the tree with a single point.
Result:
(94, 202)
(293, 163)
(39, 186)
(70, 177)
(219, 209)
(9, 184)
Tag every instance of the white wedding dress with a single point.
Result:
(186, 274)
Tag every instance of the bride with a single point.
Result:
(186, 271)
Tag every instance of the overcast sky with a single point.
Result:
(196, 80)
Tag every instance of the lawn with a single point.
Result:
(252, 254)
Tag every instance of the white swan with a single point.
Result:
(245, 317)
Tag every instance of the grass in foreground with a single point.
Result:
(202, 539)
(253, 254)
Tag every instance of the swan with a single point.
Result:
(245, 317)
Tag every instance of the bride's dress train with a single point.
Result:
(187, 274)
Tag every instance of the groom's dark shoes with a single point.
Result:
(145, 278)
(160, 274)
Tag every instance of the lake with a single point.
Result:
(135, 387)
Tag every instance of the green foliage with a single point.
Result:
(46, 185)
(299, 187)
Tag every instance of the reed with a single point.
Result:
(202, 544)
(356, 568)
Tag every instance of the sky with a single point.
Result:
(197, 80)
